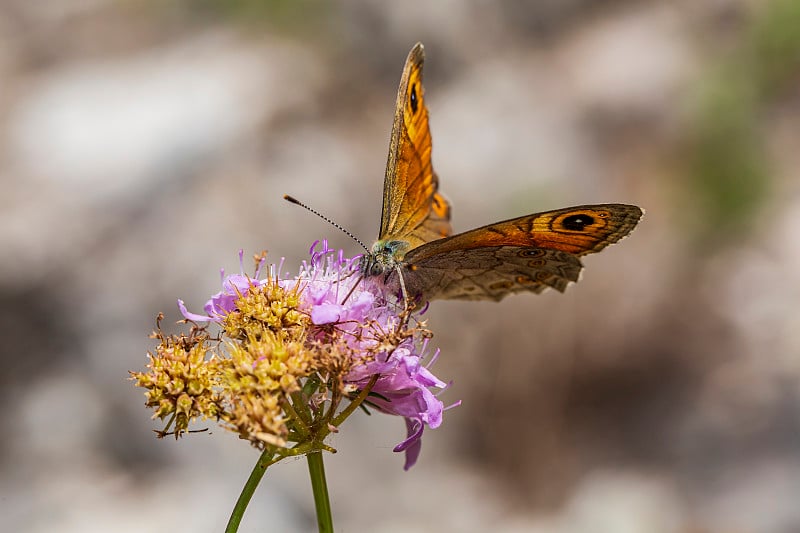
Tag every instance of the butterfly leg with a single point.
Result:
(402, 288)
(352, 289)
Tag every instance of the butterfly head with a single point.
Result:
(383, 257)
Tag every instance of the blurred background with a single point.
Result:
(142, 143)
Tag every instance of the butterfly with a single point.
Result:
(416, 253)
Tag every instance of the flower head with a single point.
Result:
(291, 351)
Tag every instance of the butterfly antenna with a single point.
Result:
(326, 219)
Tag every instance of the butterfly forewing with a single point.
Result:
(527, 253)
(413, 211)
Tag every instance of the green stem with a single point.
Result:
(316, 470)
(316, 467)
(299, 424)
(299, 405)
(347, 411)
(249, 488)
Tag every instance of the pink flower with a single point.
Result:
(333, 292)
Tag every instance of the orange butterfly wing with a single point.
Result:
(413, 210)
(527, 253)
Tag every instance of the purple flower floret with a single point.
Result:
(403, 389)
(224, 301)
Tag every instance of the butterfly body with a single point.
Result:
(384, 256)
(416, 253)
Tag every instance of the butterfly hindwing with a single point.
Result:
(490, 273)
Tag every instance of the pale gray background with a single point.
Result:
(142, 143)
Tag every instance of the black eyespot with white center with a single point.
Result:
(577, 222)
(531, 252)
(413, 98)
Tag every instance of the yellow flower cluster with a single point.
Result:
(245, 381)
(182, 378)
